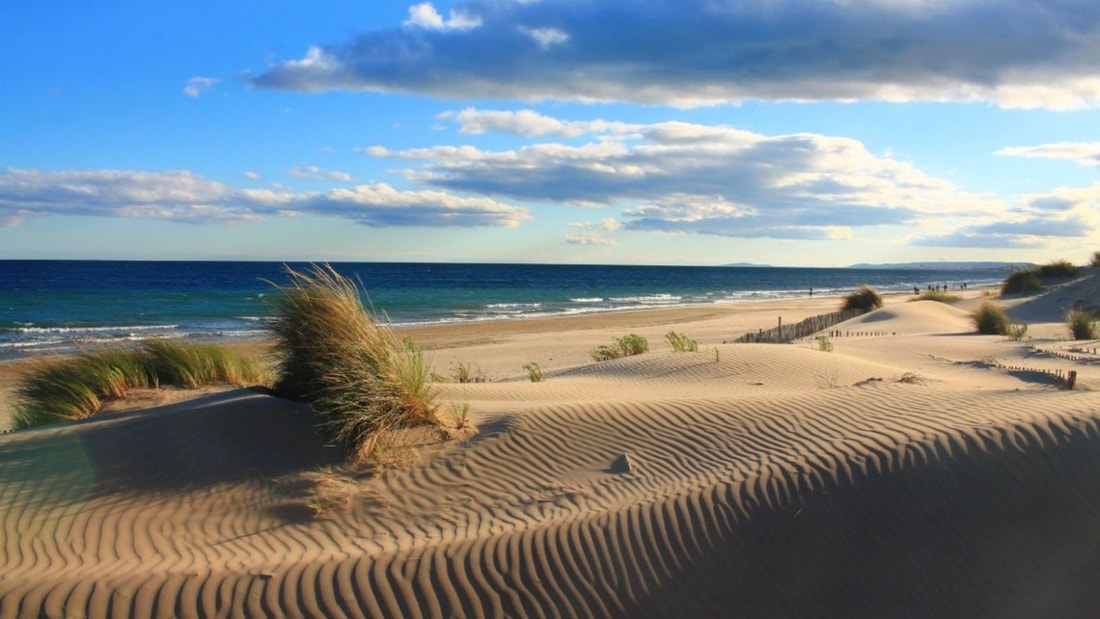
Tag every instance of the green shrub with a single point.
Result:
(1083, 325)
(625, 346)
(359, 378)
(681, 342)
(1024, 281)
(824, 344)
(1058, 268)
(939, 296)
(534, 372)
(990, 319)
(866, 299)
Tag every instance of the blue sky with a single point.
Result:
(587, 131)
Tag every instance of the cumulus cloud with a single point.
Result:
(198, 85)
(1040, 220)
(528, 123)
(187, 197)
(609, 224)
(1085, 153)
(682, 177)
(589, 238)
(315, 173)
(424, 15)
(1014, 53)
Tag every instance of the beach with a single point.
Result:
(916, 469)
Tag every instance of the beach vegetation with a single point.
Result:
(1017, 332)
(866, 299)
(681, 342)
(359, 378)
(1083, 324)
(940, 296)
(824, 344)
(534, 372)
(1058, 268)
(463, 373)
(625, 346)
(1022, 281)
(990, 319)
(76, 387)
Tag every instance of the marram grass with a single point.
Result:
(359, 378)
(76, 387)
(866, 299)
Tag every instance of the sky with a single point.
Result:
(781, 132)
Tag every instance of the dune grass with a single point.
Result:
(1058, 268)
(76, 387)
(625, 346)
(1023, 281)
(681, 342)
(990, 319)
(534, 372)
(359, 378)
(939, 296)
(1083, 325)
(866, 299)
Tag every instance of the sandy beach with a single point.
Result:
(916, 470)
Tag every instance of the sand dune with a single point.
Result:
(902, 475)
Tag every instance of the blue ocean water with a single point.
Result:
(48, 306)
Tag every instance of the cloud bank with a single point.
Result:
(680, 177)
(1014, 53)
(187, 197)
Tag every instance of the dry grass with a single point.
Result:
(866, 299)
(990, 319)
(361, 380)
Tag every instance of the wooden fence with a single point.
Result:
(787, 333)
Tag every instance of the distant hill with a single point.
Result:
(747, 264)
(941, 266)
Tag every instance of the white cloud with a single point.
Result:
(682, 177)
(1013, 53)
(196, 86)
(252, 176)
(528, 123)
(424, 15)
(186, 197)
(546, 37)
(315, 173)
(609, 224)
(589, 239)
(1085, 153)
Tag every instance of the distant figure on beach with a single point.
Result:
(916, 290)
(811, 291)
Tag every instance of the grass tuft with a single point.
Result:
(866, 299)
(990, 319)
(1023, 281)
(1058, 268)
(1084, 325)
(534, 372)
(624, 346)
(70, 388)
(824, 344)
(681, 342)
(360, 379)
(939, 296)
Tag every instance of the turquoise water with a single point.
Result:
(48, 306)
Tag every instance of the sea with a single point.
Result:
(60, 306)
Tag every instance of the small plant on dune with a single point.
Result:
(534, 372)
(1023, 281)
(465, 373)
(990, 319)
(824, 344)
(1084, 325)
(77, 387)
(717, 355)
(939, 296)
(361, 380)
(681, 342)
(1017, 332)
(460, 416)
(866, 299)
(624, 346)
(1058, 268)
